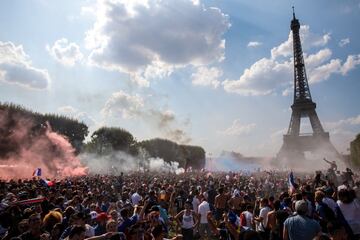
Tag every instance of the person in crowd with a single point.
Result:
(35, 232)
(247, 218)
(95, 206)
(262, 219)
(276, 219)
(348, 212)
(203, 210)
(300, 226)
(188, 221)
(220, 203)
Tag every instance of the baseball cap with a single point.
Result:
(93, 215)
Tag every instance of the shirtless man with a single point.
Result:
(333, 165)
(276, 220)
(235, 203)
(220, 204)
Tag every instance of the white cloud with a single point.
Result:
(308, 40)
(287, 91)
(206, 77)
(343, 131)
(323, 72)
(127, 106)
(72, 112)
(67, 110)
(123, 104)
(65, 52)
(130, 36)
(16, 68)
(254, 44)
(351, 62)
(344, 42)
(237, 128)
(269, 75)
(343, 122)
(314, 60)
(261, 78)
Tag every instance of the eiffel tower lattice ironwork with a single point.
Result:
(295, 144)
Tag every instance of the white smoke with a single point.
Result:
(118, 161)
(159, 165)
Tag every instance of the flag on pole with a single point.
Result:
(291, 183)
(47, 182)
(37, 172)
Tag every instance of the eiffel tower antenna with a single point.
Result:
(295, 144)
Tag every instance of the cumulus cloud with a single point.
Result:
(308, 40)
(130, 36)
(72, 112)
(268, 75)
(254, 44)
(323, 72)
(65, 52)
(343, 122)
(207, 77)
(261, 78)
(237, 128)
(351, 62)
(343, 42)
(126, 106)
(343, 131)
(16, 68)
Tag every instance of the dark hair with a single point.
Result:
(277, 205)
(124, 213)
(345, 196)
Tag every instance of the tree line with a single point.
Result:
(103, 141)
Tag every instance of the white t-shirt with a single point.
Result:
(89, 231)
(249, 218)
(135, 199)
(263, 213)
(351, 214)
(195, 204)
(203, 211)
(330, 202)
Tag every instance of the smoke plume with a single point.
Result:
(118, 161)
(25, 146)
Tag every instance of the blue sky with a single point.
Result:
(213, 73)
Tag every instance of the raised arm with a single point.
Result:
(327, 161)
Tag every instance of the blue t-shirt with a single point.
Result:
(301, 227)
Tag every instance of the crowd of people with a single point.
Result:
(191, 205)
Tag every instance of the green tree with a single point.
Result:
(104, 140)
(194, 156)
(185, 155)
(12, 114)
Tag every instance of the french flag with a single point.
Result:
(37, 172)
(291, 182)
(47, 182)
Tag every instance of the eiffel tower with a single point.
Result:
(295, 144)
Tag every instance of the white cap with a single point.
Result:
(93, 215)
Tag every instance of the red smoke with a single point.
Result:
(22, 150)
